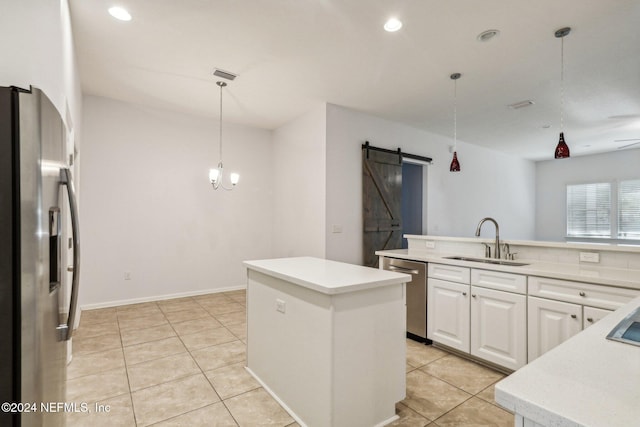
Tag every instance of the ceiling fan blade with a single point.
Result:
(629, 145)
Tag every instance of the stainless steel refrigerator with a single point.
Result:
(36, 192)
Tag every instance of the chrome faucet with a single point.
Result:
(496, 252)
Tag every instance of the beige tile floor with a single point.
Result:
(181, 363)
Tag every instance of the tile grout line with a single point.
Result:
(188, 351)
(202, 372)
(126, 370)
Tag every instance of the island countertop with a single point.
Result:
(326, 276)
(585, 381)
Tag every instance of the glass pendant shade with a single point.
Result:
(234, 178)
(562, 149)
(455, 165)
(213, 175)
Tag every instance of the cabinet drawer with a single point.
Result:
(598, 296)
(497, 280)
(452, 273)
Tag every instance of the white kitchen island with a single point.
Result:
(327, 339)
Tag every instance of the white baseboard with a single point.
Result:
(159, 297)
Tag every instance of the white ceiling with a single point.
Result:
(292, 55)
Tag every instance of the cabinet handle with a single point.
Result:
(573, 316)
(473, 295)
(464, 294)
(589, 319)
(582, 294)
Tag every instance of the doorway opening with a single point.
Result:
(413, 209)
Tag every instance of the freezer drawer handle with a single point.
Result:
(66, 330)
(403, 270)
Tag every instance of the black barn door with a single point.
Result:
(382, 203)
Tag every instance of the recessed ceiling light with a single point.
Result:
(393, 24)
(119, 13)
(546, 126)
(485, 36)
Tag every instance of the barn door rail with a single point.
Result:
(401, 155)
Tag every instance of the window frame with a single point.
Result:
(613, 236)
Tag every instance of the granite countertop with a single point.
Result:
(585, 381)
(325, 276)
(621, 277)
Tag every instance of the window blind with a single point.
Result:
(589, 210)
(629, 209)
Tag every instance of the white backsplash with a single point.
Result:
(612, 257)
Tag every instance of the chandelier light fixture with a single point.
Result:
(562, 149)
(455, 165)
(216, 175)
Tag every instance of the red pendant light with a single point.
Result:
(562, 149)
(455, 164)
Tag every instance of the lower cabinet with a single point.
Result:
(592, 315)
(486, 323)
(448, 313)
(551, 323)
(499, 327)
(511, 319)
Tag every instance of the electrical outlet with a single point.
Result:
(589, 257)
(336, 228)
(127, 275)
(430, 244)
(280, 306)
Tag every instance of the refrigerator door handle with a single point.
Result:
(66, 330)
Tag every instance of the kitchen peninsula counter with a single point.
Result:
(585, 381)
(591, 273)
(327, 339)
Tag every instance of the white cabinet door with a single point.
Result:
(499, 327)
(551, 323)
(592, 315)
(448, 314)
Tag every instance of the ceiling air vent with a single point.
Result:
(224, 74)
(521, 104)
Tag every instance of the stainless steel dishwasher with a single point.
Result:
(416, 295)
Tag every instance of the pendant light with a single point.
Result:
(455, 165)
(562, 149)
(215, 175)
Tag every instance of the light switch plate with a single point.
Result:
(281, 306)
(589, 257)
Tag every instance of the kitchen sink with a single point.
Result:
(488, 260)
(628, 330)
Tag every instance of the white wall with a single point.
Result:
(37, 48)
(490, 183)
(552, 177)
(299, 154)
(149, 209)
